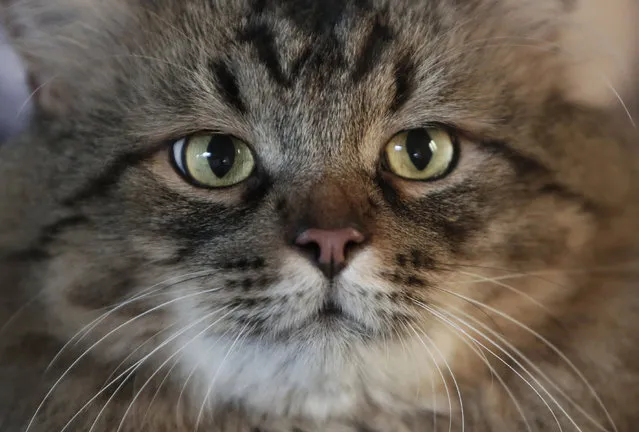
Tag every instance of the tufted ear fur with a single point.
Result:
(61, 44)
(603, 37)
(596, 43)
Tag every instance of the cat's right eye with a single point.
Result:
(213, 160)
(420, 154)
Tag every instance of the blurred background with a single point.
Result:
(13, 91)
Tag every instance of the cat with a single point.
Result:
(335, 215)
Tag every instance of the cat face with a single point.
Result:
(290, 199)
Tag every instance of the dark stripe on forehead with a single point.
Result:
(301, 62)
(258, 6)
(320, 16)
(262, 39)
(404, 82)
(377, 41)
(227, 86)
(320, 22)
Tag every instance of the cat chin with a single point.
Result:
(313, 380)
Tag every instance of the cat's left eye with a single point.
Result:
(213, 160)
(420, 154)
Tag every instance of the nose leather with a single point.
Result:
(332, 244)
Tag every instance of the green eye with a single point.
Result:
(420, 154)
(213, 161)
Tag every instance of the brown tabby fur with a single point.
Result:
(503, 297)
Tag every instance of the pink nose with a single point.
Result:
(332, 246)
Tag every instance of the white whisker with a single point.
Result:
(84, 331)
(19, 312)
(435, 312)
(182, 348)
(157, 391)
(527, 372)
(191, 373)
(508, 287)
(549, 345)
(126, 374)
(138, 348)
(474, 347)
(452, 375)
(535, 368)
(441, 374)
(405, 352)
(221, 365)
(630, 266)
(78, 359)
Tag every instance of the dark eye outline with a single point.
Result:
(184, 173)
(454, 162)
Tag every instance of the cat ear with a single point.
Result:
(598, 46)
(604, 40)
(57, 41)
(593, 43)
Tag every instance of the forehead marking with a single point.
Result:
(227, 85)
(320, 22)
(405, 71)
(262, 39)
(376, 43)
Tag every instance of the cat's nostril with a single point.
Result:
(331, 245)
(312, 250)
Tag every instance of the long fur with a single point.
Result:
(499, 298)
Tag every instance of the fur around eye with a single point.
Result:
(213, 160)
(420, 154)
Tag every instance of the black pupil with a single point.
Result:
(221, 154)
(418, 148)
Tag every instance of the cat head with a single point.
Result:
(288, 193)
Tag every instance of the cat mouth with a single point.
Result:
(330, 316)
(334, 315)
(331, 309)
